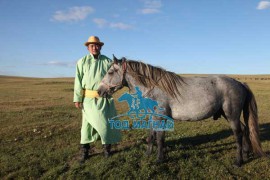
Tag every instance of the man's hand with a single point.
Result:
(78, 105)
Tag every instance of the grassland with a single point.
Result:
(40, 132)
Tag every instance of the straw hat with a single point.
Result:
(93, 40)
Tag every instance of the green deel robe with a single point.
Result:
(96, 111)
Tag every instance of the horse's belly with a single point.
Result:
(195, 111)
(191, 116)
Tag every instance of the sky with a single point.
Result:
(42, 38)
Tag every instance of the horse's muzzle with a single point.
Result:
(105, 90)
(102, 91)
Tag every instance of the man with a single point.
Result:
(96, 110)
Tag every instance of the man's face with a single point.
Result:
(94, 49)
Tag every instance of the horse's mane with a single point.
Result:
(150, 76)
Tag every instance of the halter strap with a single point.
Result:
(124, 68)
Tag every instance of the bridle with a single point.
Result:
(121, 84)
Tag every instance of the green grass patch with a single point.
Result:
(40, 133)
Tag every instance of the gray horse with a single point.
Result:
(190, 99)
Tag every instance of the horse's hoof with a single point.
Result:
(246, 156)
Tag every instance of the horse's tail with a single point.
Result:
(250, 113)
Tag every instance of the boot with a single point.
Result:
(107, 150)
(84, 153)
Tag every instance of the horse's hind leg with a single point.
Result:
(246, 142)
(237, 131)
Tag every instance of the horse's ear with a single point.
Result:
(115, 60)
(124, 59)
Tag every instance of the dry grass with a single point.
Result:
(40, 132)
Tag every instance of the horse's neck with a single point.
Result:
(132, 84)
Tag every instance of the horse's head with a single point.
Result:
(114, 79)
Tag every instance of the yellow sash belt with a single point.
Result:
(90, 94)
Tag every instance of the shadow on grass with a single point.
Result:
(200, 139)
(209, 142)
(217, 136)
(265, 132)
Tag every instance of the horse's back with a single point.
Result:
(215, 85)
(202, 97)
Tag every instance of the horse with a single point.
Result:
(190, 99)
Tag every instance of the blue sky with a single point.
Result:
(40, 38)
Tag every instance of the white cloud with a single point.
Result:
(150, 7)
(148, 11)
(73, 14)
(59, 63)
(102, 23)
(263, 5)
(121, 26)
(7, 72)
(152, 3)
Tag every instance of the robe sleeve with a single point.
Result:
(78, 83)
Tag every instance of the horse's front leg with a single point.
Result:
(150, 140)
(160, 145)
